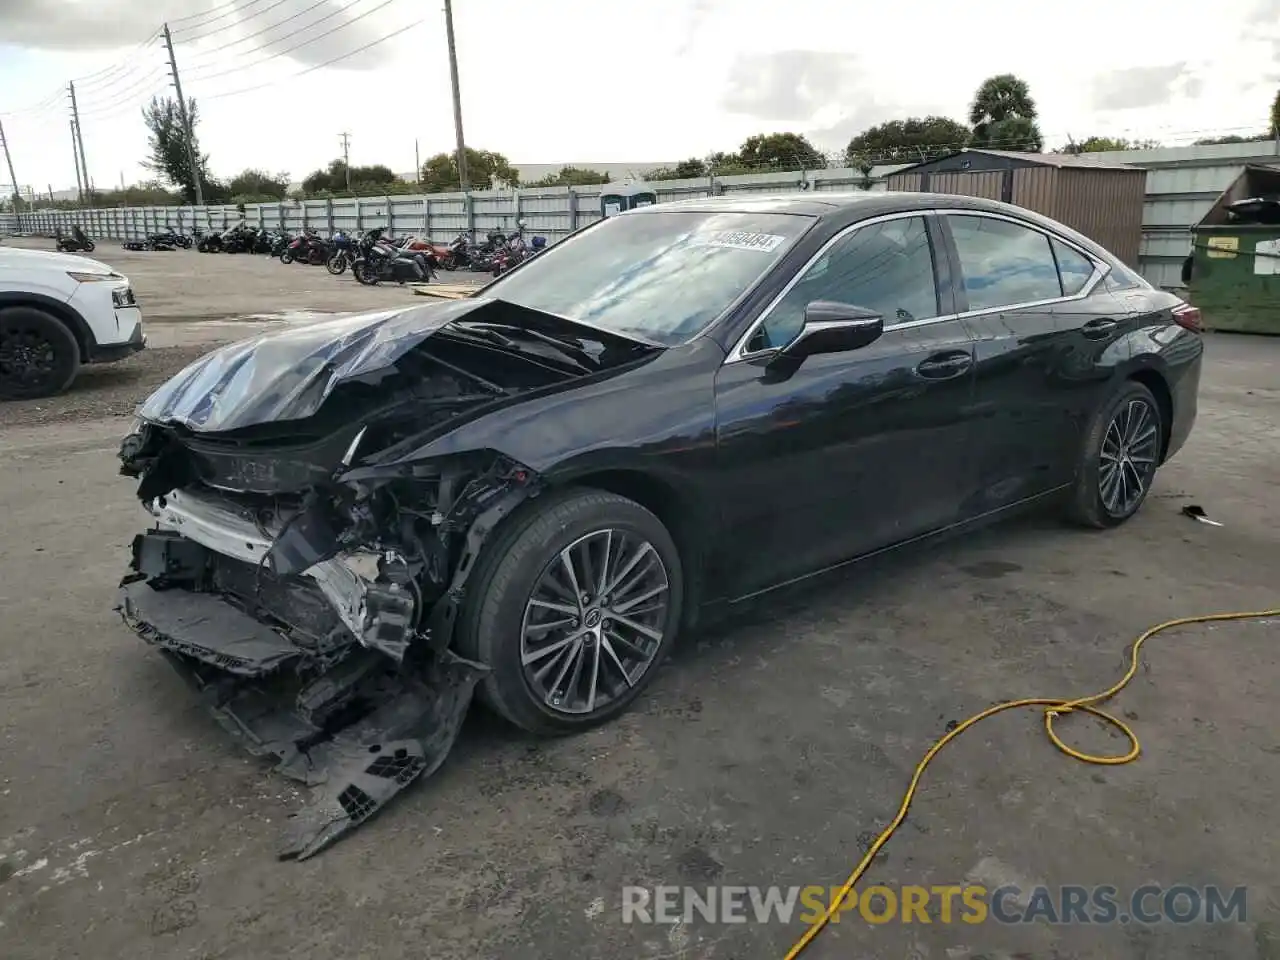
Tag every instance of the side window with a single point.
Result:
(1074, 268)
(886, 267)
(1003, 263)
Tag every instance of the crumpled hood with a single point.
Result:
(287, 375)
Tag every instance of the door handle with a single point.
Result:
(1099, 329)
(942, 366)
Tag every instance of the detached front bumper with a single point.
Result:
(308, 669)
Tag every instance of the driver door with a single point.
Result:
(858, 450)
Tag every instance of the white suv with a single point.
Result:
(57, 311)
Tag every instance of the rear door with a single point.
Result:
(1047, 335)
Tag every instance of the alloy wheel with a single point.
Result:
(1127, 461)
(595, 621)
(27, 357)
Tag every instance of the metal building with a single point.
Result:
(1101, 199)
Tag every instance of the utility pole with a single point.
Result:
(346, 156)
(463, 180)
(417, 163)
(8, 158)
(186, 120)
(75, 156)
(79, 140)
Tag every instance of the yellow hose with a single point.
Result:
(1052, 710)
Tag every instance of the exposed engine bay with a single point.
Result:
(305, 575)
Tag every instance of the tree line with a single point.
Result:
(1002, 115)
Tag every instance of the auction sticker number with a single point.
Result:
(739, 240)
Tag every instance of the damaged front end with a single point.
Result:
(304, 574)
(318, 630)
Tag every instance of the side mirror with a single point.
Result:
(831, 327)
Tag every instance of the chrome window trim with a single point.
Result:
(1100, 270)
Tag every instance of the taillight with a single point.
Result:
(1188, 317)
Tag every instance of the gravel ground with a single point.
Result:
(770, 751)
(190, 303)
(107, 390)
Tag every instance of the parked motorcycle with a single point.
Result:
(76, 243)
(459, 254)
(308, 249)
(344, 250)
(211, 242)
(380, 260)
(280, 242)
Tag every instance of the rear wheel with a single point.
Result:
(573, 607)
(39, 356)
(1118, 462)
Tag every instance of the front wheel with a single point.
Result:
(286, 257)
(575, 605)
(337, 264)
(88, 247)
(39, 356)
(364, 273)
(1118, 462)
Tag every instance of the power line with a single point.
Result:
(231, 26)
(273, 26)
(120, 67)
(97, 103)
(320, 66)
(232, 8)
(299, 46)
(296, 31)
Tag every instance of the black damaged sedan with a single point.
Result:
(529, 492)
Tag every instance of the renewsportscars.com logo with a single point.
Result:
(971, 904)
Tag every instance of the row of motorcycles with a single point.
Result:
(373, 256)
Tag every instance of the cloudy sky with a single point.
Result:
(587, 80)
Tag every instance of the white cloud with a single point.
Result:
(581, 81)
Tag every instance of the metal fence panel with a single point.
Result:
(1182, 183)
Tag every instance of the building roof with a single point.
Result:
(1014, 158)
(1057, 159)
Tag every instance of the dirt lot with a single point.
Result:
(191, 301)
(769, 751)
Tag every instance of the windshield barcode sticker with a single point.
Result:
(738, 240)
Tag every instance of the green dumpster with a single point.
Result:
(1235, 261)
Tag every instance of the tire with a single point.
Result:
(88, 247)
(492, 622)
(1127, 431)
(286, 257)
(336, 265)
(24, 330)
(364, 274)
(448, 262)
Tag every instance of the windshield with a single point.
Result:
(656, 276)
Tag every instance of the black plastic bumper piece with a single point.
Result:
(358, 731)
(204, 627)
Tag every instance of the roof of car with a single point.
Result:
(855, 205)
(863, 203)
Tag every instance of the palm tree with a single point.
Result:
(1003, 114)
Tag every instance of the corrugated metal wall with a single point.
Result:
(1036, 188)
(1104, 205)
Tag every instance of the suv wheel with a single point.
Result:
(39, 356)
(573, 608)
